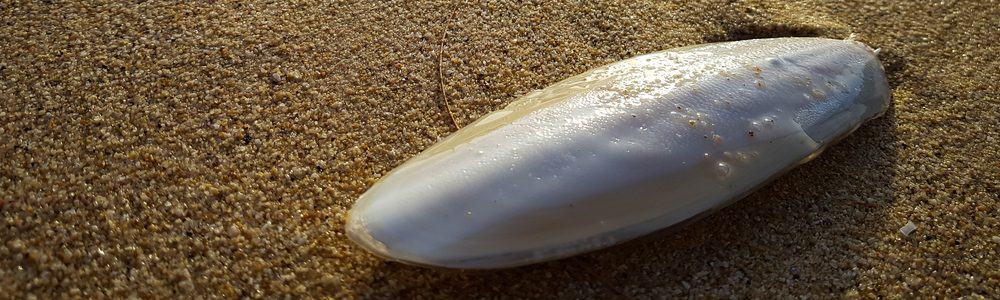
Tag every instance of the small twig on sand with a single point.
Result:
(444, 96)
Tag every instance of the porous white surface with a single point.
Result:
(620, 151)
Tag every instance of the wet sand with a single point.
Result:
(170, 150)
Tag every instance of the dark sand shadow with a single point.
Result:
(754, 31)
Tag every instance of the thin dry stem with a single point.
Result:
(447, 105)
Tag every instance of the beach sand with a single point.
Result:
(172, 150)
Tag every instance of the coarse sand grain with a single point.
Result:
(172, 149)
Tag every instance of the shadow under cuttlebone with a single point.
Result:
(804, 231)
(757, 31)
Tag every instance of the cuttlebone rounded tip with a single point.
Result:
(358, 232)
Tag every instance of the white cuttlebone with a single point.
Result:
(620, 151)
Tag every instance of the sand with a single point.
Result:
(171, 150)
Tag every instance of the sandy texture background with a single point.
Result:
(161, 149)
